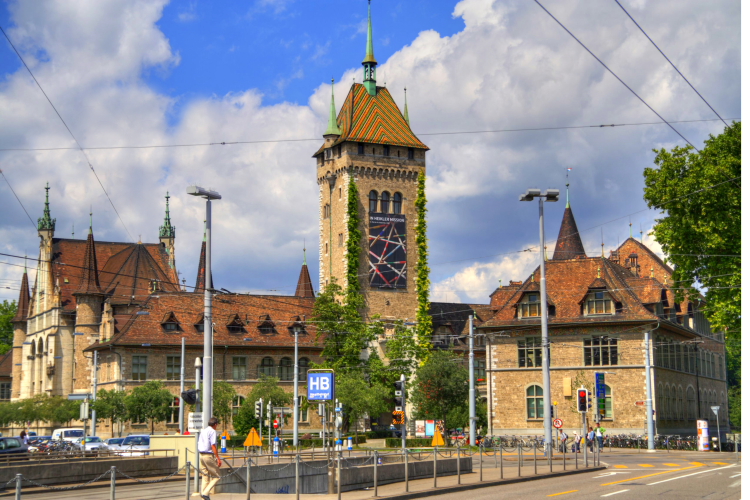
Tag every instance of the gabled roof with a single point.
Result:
(569, 244)
(133, 274)
(23, 299)
(373, 119)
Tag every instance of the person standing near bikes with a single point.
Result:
(591, 439)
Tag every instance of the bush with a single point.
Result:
(410, 443)
(379, 434)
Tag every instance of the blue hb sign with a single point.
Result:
(320, 386)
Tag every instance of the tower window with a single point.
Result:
(411, 153)
(386, 151)
(398, 153)
(361, 148)
(397, 203)
(326, 248)
(339, 193)
(385, 201)
(341, 239)
(329, 154)
(373, 151)
(339, 151)
(326, 211)
(373, 201)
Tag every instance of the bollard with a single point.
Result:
(576, 454)
(338, 478)
(481, 460)
(564, 450)
(586, 453)
(18, 486)
(187, 483)
(458, 464)
(534, 446)
(247, 477)
(406, 469)
(549, 455)
(296, 476)
(519, 460)
(197, 473)
(375, 472)
(434, 467)
(501, 460)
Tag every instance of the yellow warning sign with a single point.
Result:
(253, 439)
(225, 434)
(437, 440)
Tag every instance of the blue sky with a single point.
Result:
(154, 72)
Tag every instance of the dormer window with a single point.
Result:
(170, 323)
(599, 302)
(235, 325)
(441, 337)
(530, 306)
(265, 325)
(297, 325)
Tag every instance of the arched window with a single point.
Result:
(266, 367)
(304, 365)
(673, 403)
(680, 404)
(691, 403)
(385, 202)
(661, 411)
(534, 402)
(286, 369)
(397, 198)
(608, 402)
(373, 201)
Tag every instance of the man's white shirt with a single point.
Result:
(206, 439)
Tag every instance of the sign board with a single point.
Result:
(420, 429)
(387, 250)
(320, 386)
(84, 410)
(640, 403)
(716, 409)
(703, 438)
(558, 423)
(601, 392)
(283, 410)
(195, 421)
(429, 428)
(275, 424)
(253, 439)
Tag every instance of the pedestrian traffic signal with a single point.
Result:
(583, 400)
(399, 400)
(259, 409)
(190, 397)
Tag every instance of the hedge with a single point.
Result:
(410, 443)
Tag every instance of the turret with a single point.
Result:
(369, 62)
(20, 321)
(167, 234)
(304, 283)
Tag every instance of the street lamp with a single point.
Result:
(549, 195)
(296, 386)
(208, 365)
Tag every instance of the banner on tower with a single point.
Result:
(387, 250)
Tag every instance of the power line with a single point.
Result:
(271, 141)
(17, 198)
(670, 62)
(614, 74)
(69, 131)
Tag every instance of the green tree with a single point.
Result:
(269, 390)
(149, 401)
(7, 312)
(424, 319)
(360, 397)
(353, 241)
(111, 405)
(699, 195)
(62, 410)
(224, 395)
(441, 390)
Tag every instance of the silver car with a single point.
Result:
(91, 443)
(113, 444)
(136, 445)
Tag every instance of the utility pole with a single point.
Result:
(182, 387)
(198, 366)
(208, 365)
(295, 438)
(472, 395)
(403, 425)
(96, 380)
(549, 195)
(649, 397)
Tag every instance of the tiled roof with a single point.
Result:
(6, 364)
(304, 284)
(569, 244)
(374, 119)
(133, 274)
(187, 308)
(23, 300)
(68, 261)
(90, 272)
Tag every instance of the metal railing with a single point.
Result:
(68, 456)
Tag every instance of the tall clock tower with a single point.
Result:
(371, 142)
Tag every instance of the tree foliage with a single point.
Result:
(424, 319)
(441, 390)
(699, 194)
(7, 312)
(150, 401)
(110, 405)
(223, 397)
(354, 240)
(267, 389)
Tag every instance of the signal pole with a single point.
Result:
(403, 422)
(472, 394)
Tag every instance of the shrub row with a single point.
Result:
(410, 443)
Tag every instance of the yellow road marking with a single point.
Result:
(563, 493)
(645, 465)
(697, 463)
(721, 463)
(621, 466)
(673, 465)
(649, 475)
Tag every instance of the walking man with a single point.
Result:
(210, 459)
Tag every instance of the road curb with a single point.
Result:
(485, 484)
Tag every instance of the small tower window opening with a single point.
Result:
(326, 211)
(339, 151)
(373, 151)
(397, 198)
(373, 201)
(341, 239)
(339, 193)
(386, 151)
(411, 153)
(329, 154)
(385, 202)
(398, 153)
(361, 148)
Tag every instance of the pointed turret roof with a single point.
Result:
(200, 282)
(23, 299)
(90, 272)
(406, 109)
(569, 244)
(46, 222)
(333, 126)
(167, 230)
(370, 53)
(304, 283)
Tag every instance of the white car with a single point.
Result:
(91, 443)
(135, 446)
(113, 444)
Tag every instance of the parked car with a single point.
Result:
(114, 444)
(12, 445)
(68, 434)
(91, 443)
(136, 445)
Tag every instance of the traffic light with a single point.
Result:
(190, 397)
(583, 400)
(259, 408)
(399, 418)
(399, 399)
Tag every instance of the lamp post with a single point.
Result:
(549, 195)
(296, 387)
(472, 393)
(208, 365)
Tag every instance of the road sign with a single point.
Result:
(716, 409)
(285, 410)
(640, 403)
(558, 423)
(320, 386)
(275, 424)
(601, 393)
(253, 439)
(195, 421)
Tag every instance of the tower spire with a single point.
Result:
(46, 222)
(406, 109)
(333, 126)
(167, 230)
(369, 62)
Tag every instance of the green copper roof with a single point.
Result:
(46, 222)
(370, 55)
(167, 230)
(333, 126)
(406, 109)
